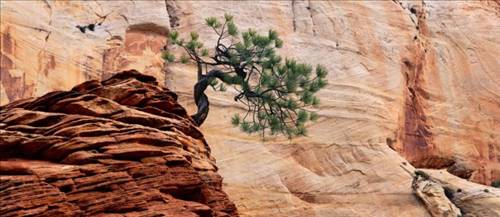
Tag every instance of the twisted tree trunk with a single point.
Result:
(201, 98)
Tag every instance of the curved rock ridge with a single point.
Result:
(120, 147)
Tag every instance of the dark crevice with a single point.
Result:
(176, 163)
(47, 36)
(172, 13)
(204, 213)
(104, 189)
(91, 26)
(125, 18)
(66, 188)
(412, 10)
(460, 170)
(47, 4)
(309, 8)
(293, 14)
(390, 142)
(84, 28)
(186, 193)
(449, 193)
(47, 121)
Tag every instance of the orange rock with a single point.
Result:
(451, 50)
(90, 151)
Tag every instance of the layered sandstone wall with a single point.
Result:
(417, 79)
(123, 146)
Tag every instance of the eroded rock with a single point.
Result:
(434, 197)
(417, 76)
(92, 151)
(447, 195)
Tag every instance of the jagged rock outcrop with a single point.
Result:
(434, 197)
(410, 78)
(120, 147)
(447, 195)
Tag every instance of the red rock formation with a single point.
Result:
(123, 146)
(416, 140)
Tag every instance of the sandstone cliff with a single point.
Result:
(120, 147)
(410, 82)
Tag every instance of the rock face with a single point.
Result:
(410, 82)
(447, 195)
(434, 197)
(123, 146)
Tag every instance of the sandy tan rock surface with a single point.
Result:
(472, 200)
(415, 80)
(435, 197)
(121, 147)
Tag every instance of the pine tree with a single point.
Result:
(277, 93)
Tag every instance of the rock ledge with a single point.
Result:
(120, 147)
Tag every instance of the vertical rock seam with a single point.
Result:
(293, 17)
(172, 13)
(415, 136)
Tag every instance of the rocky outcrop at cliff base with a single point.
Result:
(445, 195)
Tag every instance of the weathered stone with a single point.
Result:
(434, 197)
(473, 200)
(418, 76)
(69, 156)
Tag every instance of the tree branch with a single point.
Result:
(201, 98)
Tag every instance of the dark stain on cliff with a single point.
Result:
(138, 38)
(416, 138)
(46, 62)
(150, 28)
(171, 7)
(15, 86)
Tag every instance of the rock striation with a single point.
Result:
(411, 83)
(120, 147)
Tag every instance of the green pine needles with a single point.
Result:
(278, 94)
